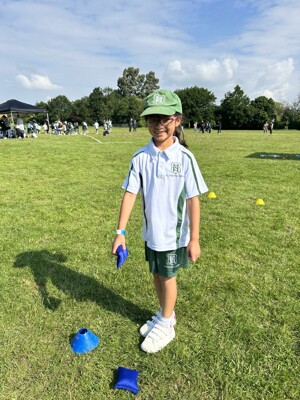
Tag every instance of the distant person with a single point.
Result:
(219, 126)
(59, 127)
(134, 125)
(109, 125)
(70, 128)
(29, 128)
(271, 125)
(76, 128)
(84, 128)
(20, 121)
(202, 127)
(208, 127)
(5, 126)
(266, 127)
(46, 127)
(195, 126)
(130, 125)
(96, 126)
(20, 128)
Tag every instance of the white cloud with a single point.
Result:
(216, 70)
(37, 82)
(276, 80)
(201, 73)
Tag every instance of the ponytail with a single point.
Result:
(178, 132)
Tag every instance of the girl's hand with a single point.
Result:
(119, 239)
(193, 250)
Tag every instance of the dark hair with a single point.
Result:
(179, 131)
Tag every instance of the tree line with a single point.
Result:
(235, 111)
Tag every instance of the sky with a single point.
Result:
(70, 47)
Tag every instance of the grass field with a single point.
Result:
(237, 335)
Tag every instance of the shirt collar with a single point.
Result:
(169, 152)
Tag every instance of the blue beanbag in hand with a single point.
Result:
(121, 256)
(127, 380)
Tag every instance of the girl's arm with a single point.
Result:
(193, 209)
(125, 211)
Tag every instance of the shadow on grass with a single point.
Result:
(50, 266)
(275, 156)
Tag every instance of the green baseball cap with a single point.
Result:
(162, 102)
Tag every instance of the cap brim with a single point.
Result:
(158, 110)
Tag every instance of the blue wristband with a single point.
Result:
(120, 232)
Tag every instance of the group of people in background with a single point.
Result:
(107, 125)
(268, 126)
(206, 127)
(18, 130)
(10, 129)
(69, 128)
(62, 128)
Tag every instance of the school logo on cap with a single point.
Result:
(159, 98)
(176, 167)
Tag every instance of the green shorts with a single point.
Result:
(166, 263)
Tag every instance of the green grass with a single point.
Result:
(237, 335)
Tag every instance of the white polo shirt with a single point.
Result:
(166, 179)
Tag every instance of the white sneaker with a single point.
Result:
(158, 338)
(149, 325)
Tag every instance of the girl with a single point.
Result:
(170, 181)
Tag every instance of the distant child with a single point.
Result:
(167, 175)
(96, 126)
(84, 128)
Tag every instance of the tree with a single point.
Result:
(197, 103)
(96, 104)
(81, 110)
(150, 84)
(135, 107)
(120, 114)
(59, 107)
(235, 109)
(295, 111)
(132, 83)
(110, 107)
(263, 109)
(42, 104)
(125, 107)
(41, 118)
(291, 114)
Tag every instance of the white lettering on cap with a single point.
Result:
(159, 98)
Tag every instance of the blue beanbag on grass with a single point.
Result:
(121, 256)
(127, 380)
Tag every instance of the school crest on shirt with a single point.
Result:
(176, 168)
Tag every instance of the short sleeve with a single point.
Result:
(194, 182)
(132, 181)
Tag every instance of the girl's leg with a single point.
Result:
(162, 330)
(158, 288)
(166, 289)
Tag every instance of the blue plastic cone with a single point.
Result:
(84, 341)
